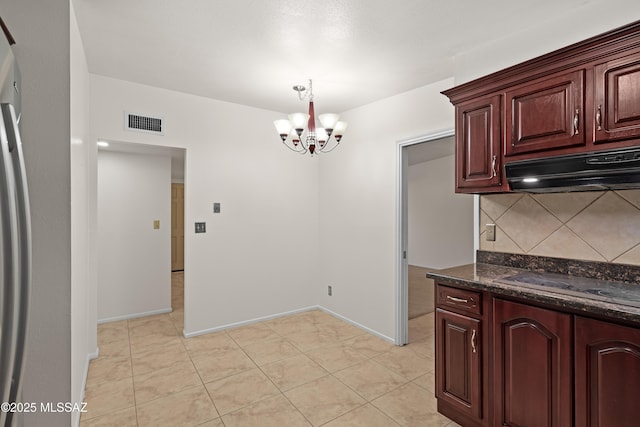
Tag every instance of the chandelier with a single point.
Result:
(315, 139)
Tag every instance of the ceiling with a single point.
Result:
(252, 52)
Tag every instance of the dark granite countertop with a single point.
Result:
(590, 296)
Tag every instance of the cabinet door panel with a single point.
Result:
(458, 362)
(607, 374)
(532, 360)
(478, 144)
(546, 114)
(617, 100)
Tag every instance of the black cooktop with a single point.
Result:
(613, 292)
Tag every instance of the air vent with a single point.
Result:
(140, 123)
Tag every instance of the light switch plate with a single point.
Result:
(156, 224)
(201, 227)
(216, 207)
(491, 232)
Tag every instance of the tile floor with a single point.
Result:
(309, 369)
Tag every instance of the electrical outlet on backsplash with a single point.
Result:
(591, 226)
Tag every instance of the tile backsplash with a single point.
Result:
(592, 226)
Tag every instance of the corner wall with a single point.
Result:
(358, 198)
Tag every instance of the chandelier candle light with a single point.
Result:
(316, 140)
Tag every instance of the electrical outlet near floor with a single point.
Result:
(329, 290)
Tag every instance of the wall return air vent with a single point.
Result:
(144, 123)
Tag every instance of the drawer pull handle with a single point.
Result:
(474, 337)
(599, 117)
(460, 300)
(576, 122)
(493, 166)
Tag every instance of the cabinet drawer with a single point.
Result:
(461, 299)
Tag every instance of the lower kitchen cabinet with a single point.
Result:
(607, 374)
(532, 366)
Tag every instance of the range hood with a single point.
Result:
(603, 170)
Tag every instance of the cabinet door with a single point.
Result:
(458, 362)
(546, 114)
(478, 140)
(617, 100)
(607, 374)
(532, 366)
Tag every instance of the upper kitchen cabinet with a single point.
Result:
(546, 114)
(617, 99)
(478, 145)
(583, 98)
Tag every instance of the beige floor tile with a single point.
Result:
(427, 382)
(237, 391)
(269, 351)
(370, 380)
(122, 418)
(293, 371)
(341, 331)
(109, 368)
(163, 382)
(225, 364)
(405, 362)
(369, 345)
(113, 331)
(107, 397)
(272, 412)
(313, 339)
(290, 325)
(411, 406)
(158, 358)
(161, 326)
(252, 333)
(337, 357)
(424, 348)
(209, 344)
(364, 416)
(187, 408)
(213, 423)
(421, 327)
(324, 399)
(152, 342)
(118, 348)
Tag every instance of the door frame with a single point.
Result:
(402, 230)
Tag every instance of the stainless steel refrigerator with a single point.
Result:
(15, 239)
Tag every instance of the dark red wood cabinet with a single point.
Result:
(585, 97)
(478, 144)
(546, 114)
(532, 366)
(607, 374)
(461, 386)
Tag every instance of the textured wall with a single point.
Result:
(594, 226)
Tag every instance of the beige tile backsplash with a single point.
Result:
(593, 226)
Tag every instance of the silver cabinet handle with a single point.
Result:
(474, 337)
(454, 299)
(599, 117)
(576, 121)
(493, 166)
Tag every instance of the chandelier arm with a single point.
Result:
(322, 150)
(302, 150)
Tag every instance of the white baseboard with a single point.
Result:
(90, 357)
(288, 313)
(358, 325)
(247, 322)
(135, 315)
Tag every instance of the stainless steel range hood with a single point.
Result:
(614, 169)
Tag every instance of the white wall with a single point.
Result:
(358, 198)
(440, 221)
(41, 30)
(259, 255)
(134, 259)
(83, 283)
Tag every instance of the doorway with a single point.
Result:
(435, 227)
